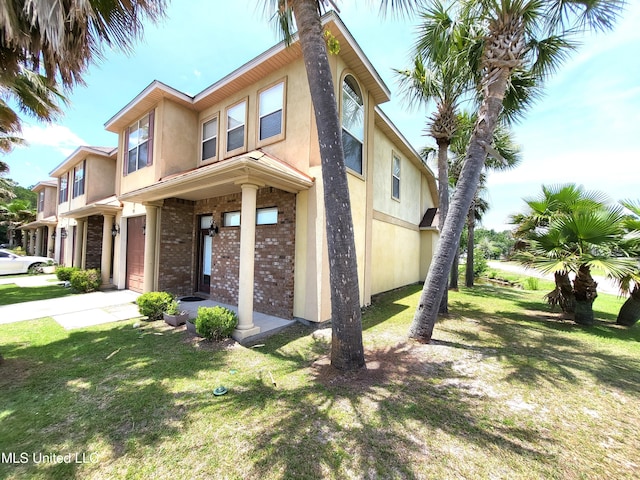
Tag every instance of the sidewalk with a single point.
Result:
(74, 311)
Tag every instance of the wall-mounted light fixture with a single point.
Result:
(53, 235)
(115, 230)
(144, 229)
(63, 233)
(213, 229)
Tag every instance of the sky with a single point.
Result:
(585, 130)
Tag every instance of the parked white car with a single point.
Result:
(10, 263)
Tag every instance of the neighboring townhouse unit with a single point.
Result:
(39, 236)
(222, 192)
(87, 208)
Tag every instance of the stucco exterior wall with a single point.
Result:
(100, 178)
(177, 129)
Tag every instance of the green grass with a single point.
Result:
(11, 293)
(506, 390)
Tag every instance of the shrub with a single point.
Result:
(64, 273)
(153, 304)
(531, 283)
(85, 281)
(479, 263)
(215, 323)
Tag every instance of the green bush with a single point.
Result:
(531, 283)
(479, 263)
(64, 273)
(85, 281)
(153, 304)
(215, 323)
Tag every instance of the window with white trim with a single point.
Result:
(352, 123)
(267, 216)
(210, 139)
(270, 115)
(231, 219)
(78, 180)
(395, 178)
(139, 144)
(41, 201)
(63, 188)
(236, 122)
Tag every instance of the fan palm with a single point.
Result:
(630, 311)
(347, 351)
(530, 35)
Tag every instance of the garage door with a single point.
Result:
(135, 253)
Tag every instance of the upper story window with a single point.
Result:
(139, 144)
(41, 201)
(395, 178)
(78, 180)
(352, 123)
(63, 189)
(236, 131)
(270, 115)
(210, 139)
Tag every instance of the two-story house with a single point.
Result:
(40, 235)
(87, 207)
(221, 192)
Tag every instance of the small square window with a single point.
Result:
(267, 216)
(231, 219)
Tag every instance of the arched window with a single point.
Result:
(352, 123)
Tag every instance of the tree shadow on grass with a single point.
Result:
(91, 387)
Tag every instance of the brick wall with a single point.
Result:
(177, 256)
(274, 253)
(94, 241)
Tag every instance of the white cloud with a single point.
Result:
(57, 136)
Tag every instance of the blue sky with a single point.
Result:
(585, 130)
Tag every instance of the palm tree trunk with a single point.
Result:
(584, 289)
(562, 295)
(347, 351)
(443, 200)
(630, 311)
(453, 283)
(471, 228)
(425, 317)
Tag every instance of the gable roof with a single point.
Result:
(251, 72)
(79, 154)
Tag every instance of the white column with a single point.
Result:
(246, 328)
(107, 247)
(38, 249)
(150, 248)
(77, 251)
(51, 242)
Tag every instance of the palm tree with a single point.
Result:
(630, 311)
(444, 78)
(576, 242)
(512, 30)
(554, 201)
(46, 41)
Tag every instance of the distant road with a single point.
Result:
(605, 285)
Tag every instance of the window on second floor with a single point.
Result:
(395, 178)
(41, 201)
(210, 139)
(139, 144)
(236, 131)
(352, 123)
(270, 115)
(63, 188)
(78, 180)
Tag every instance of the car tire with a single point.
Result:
(35, 268)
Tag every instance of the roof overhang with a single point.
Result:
(223, 178)
(44, 184)
(45, 222)
(79, 154)
(108, 206)
(251, 72)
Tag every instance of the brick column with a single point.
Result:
(107, 247)
(246, 328)
(150, 248)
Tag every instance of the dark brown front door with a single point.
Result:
(135, 253)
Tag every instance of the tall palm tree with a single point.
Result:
(347, 351)
(528, 35)
(445, 78)
(43, 42)
(630, 311)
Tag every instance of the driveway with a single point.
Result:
(605, 285)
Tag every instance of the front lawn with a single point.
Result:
(505, 390)
(11, 293)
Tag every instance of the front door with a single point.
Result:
(205, 244)
(135, 253)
